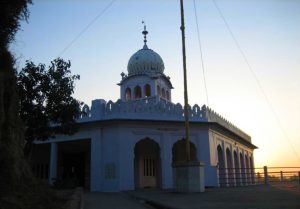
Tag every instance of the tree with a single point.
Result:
(12, 11)
(47, 107)
(13, 168)
(18, 187)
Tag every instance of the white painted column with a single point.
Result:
(122, 92)
(166, 162)
(127, 169)
(252, 169)
(153, 88)
(131, 93)
(53, 163)
(249, 170)
(246, 167)
(126, 160)
(209, 155)
(96, 161)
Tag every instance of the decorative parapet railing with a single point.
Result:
(153, 108)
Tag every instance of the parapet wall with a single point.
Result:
(153, 108)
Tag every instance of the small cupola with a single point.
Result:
(145, 76)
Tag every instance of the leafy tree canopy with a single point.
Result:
(13, 168)
(12, 11)
(46, 103)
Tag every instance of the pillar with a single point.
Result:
(53, 163)
(206, 142)
(266, 175)
(96, 161)
(166, 163)
(143, 90)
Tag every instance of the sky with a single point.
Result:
(262, 98)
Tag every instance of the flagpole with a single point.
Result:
(186, 104)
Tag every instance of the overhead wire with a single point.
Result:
(203, 69)
(201, 53)
(87, 27)
(256, 79)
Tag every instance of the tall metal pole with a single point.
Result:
(186, 104)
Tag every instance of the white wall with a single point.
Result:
(216, 139)
(113, 142)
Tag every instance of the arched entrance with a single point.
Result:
(230, 174)
(237, 169)
(147, 164)
(179, 151)
(221, 166)
(243, 169)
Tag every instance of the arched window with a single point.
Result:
(137, 92)
(128, 94)
(237, 169)
(168, 95)
(243, 171)
(179, 151)
(147, 90)
(163, 93)
(221, 167)
(230, 173)
(158, 90)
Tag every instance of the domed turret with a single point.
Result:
(145, 78)
(145, 61)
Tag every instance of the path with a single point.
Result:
(251, 197)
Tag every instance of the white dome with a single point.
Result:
(145, 61)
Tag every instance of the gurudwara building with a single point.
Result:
(132, 143)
